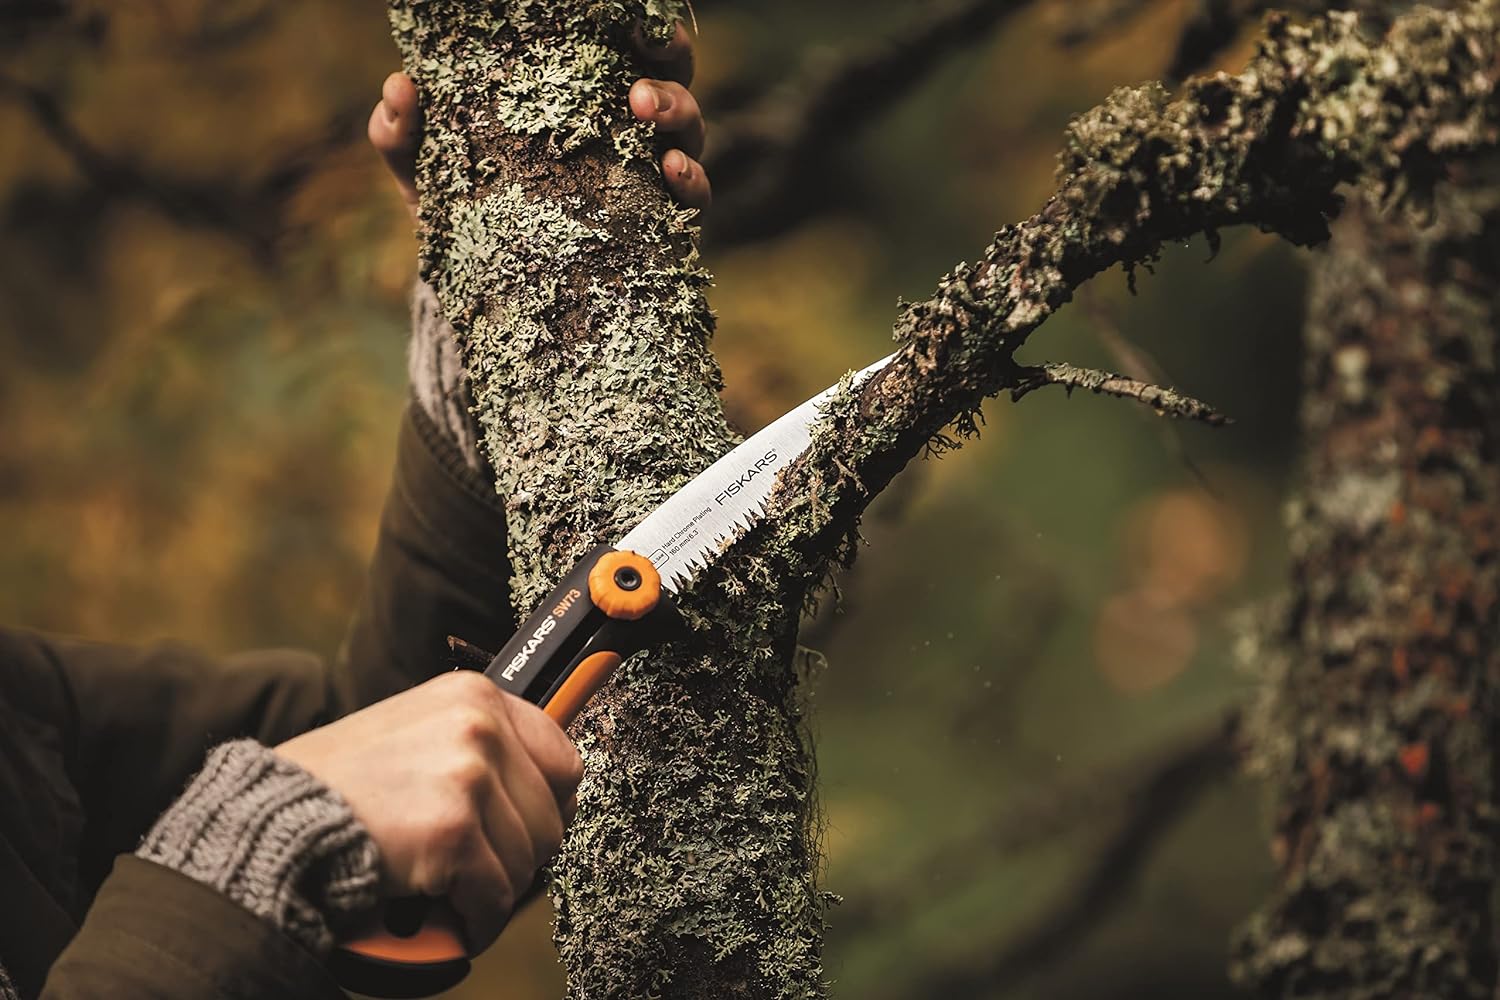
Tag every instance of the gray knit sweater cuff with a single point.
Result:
(274, 839)
(436, 370)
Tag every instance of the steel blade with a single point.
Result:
(688, 531)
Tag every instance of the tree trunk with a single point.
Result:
(1378, 726)
(575, 286)
(1379, 734)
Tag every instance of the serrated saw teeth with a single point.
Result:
(689, 531)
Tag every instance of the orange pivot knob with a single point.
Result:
(624, 585)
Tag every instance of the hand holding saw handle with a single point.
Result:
(611, 605)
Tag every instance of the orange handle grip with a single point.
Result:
(407, 948)
(585, 680)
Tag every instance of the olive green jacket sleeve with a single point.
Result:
(440, 568)
(109, 736)
(153, 932)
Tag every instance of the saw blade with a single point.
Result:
(687, 532)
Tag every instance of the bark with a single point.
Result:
(1378, 729)
(574, 286)
(1379, 734)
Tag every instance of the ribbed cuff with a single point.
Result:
(272, 838)
(436, 370)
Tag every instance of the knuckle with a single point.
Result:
(467, 683)
(450, 830)
(529, 722)
(492, 698)
(684, 106)
(469, 775)
(470, 725)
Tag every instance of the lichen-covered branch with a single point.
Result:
(1377, 723)
(1320, 105)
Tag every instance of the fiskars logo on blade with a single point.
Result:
(762, 464)
(532, 644)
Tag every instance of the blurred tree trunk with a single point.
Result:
(574, 284)
(1378, 730)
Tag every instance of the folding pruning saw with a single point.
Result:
(615, 602)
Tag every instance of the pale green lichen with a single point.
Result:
(577, 292)
(1376, 726)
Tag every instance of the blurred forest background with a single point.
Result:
(1017, 699)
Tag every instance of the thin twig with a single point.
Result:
(1167, 402)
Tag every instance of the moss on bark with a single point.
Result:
(575, 287)
(1377, 723)
(1377, 731)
